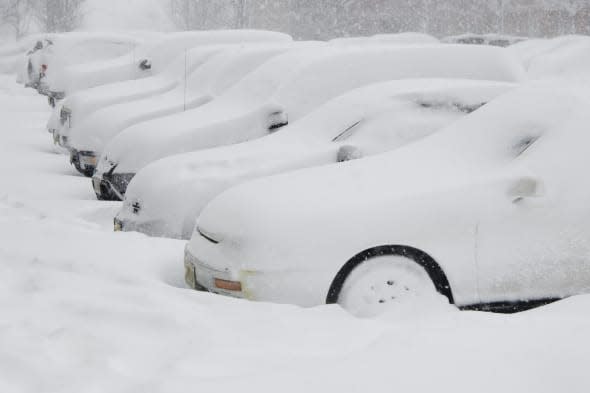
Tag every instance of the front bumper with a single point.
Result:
(84, 161)
(111, 186)
(201, 277)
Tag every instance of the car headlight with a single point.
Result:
(117, 225)
(88, 160)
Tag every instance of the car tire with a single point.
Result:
(377, 278)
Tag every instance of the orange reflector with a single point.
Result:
(235, 286)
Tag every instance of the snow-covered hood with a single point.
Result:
(345, 201)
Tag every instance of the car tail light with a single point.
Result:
(234, 286)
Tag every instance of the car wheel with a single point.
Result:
(382, 282)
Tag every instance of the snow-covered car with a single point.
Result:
(150, 58)
(12, 56)
(501, 40)
(210, 80)
(30, 71)
(89, 101)
(287, 88)
(76, 108)
(490, 212)
(67, 49)
(166, 74)
(363, 122)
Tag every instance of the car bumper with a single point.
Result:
(201, 277)
(111, 187)
(152, 228)
(84, 161)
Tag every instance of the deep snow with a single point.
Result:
(83, 309)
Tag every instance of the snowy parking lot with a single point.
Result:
(85, 309)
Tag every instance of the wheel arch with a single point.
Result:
(435, 272)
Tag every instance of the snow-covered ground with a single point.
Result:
(84, 309)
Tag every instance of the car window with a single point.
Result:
(347, 133)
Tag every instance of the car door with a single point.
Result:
(533, 238)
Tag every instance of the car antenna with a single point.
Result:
(185, 75)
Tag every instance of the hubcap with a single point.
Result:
(382, 282)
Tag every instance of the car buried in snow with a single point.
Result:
(361, 123)
(169, 60)
(219, 73)
(490, 213)
(65, 50)
(287, 88)
(81, 105)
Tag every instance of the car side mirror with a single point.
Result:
(525, 187)
(145, 65)
(349, 153)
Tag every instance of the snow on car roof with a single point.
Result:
(354, 67)
(301, 80)
(406, 38)
(230, 65)
(396, 38)
(497, 137)
(174, 43)
(326, 122)
(563, 56)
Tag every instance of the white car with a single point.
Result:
(67, 49)
(287, 88)
(12, 56)
(490, 212)
(79, 106)
(210, 80)
(363, 122)
(151, 58)
(169, 66)
(89, 101)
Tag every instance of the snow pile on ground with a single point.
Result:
(84, 309)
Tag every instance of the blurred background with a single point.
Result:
(303, 19)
